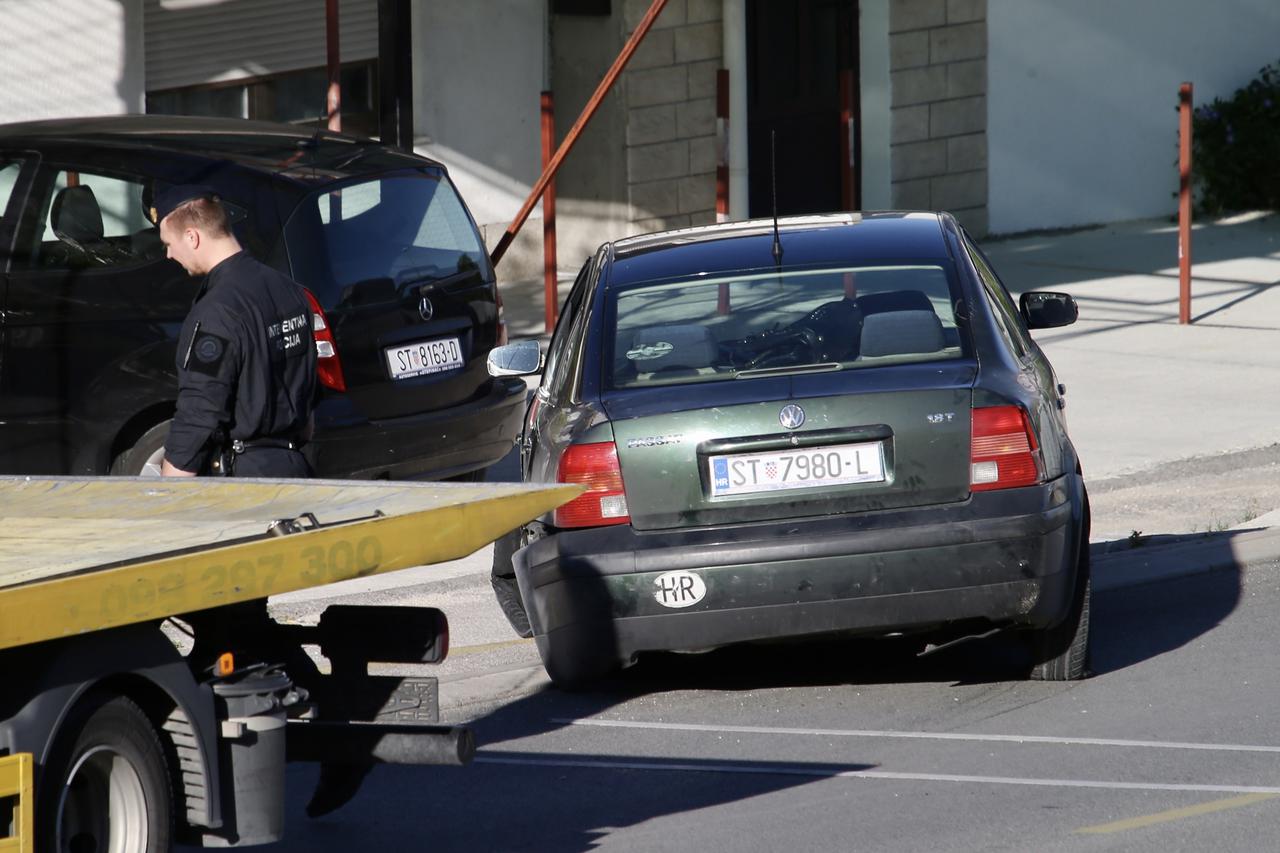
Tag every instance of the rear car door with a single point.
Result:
(551, 409)
(92, 313)
(15, 172)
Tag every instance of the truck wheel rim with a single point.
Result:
(103, 805)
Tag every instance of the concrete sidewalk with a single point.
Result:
(1143, 391)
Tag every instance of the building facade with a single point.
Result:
(1013, 114)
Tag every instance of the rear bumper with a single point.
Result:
(1006, 558)
(434, 445)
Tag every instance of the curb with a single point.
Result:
(1182, 556)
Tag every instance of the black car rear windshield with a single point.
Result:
(366, 241)
(763, 323)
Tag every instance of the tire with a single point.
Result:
(476, 476)
(1061, 653)
(503, 580)
(144, 458)
(108, 786)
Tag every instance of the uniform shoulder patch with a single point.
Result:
(207, 352)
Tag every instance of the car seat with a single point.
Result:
(679, 349)
(888, 333)
(76, 220)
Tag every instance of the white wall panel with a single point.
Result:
(1082, 126)
(71, 58)
(202, 41)
(478, 70)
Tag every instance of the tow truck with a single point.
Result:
(148, 699)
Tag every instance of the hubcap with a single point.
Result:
(102, 808)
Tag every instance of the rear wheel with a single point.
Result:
(1061, 653)
(503, 580)
(476, 476)
(146, 455)
(110, 790)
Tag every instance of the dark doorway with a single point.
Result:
(797, 53)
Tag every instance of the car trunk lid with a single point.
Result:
(768, 449)
(399, 269)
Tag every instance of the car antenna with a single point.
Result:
(773, 178)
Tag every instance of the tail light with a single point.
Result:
(1004, 453)
(502, 317)
(328, 366)
(604, 502)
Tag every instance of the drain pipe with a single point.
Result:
(734, 18)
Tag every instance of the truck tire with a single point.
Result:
(107, 787)
(144, 458)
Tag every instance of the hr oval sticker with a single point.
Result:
(679, 589)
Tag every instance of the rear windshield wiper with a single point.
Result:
(782, 370)
(441, 281)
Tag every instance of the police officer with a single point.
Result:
(246, 353)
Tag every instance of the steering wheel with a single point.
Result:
(795, 345)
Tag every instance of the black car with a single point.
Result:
(826, 425)
(90, 308)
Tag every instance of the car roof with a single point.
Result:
(319, 155)
(806, 241)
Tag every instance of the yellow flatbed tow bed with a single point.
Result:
(96, 699)
(84, 554)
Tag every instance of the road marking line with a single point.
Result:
(1175, 814)
(487, 647)
(956, 736)
(884, 775)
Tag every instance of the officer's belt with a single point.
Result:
(239, 446)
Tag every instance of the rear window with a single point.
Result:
(766, 323)
(366, 241)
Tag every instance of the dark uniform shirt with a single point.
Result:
(246, 363)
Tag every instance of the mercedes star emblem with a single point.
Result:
(426, 309)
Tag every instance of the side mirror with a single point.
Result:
(519, 359)
(1043, 309)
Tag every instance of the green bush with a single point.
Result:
(1236, 147)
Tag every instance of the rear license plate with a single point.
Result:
(424, 357)
(811, 467)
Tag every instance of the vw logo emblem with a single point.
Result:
(426, 309)
(791, 416)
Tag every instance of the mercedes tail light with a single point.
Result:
(605, 501)
(328, 365)
(1004, 453)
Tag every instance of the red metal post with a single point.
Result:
(646, 23)
(722, 144)
(551, 300)
(722, 169)
(333, 103)
(1184, 203)
(848, 179)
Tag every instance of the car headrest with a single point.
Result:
(894, 300)
(75, 216)
(677, 345)
(901, 333)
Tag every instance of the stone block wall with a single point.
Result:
(938, 78)
(670, 92)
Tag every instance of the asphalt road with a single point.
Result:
(1171, 745)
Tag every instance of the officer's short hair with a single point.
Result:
(206, 214)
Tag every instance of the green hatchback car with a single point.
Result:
(824, 425)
